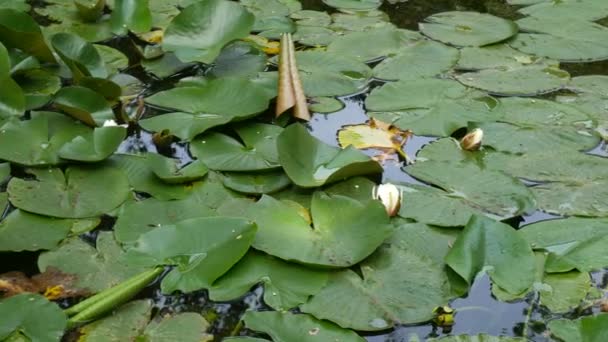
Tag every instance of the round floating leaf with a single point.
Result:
(497, 193)
(401, 283)
(285, 285)
(370, 45)
(126, 322)
(585, 199)
(314, 36)
(495, 56)
(12, 99)
(590, 84)
(164, 66)
(21, 231)
(185, 126)
(311, 18)
(325, 105)
(108, 89)
(84, 104)
(572, 243)
(571, 40)
(333, 242)
(76, 192)
(80, 56)
(168, 170)
(590, 328)
(95, 146)
(95, 269)
(238, 59)
(18, 29)
(66, 18)
(20, 5)
(310, 163)
(354, 5)
(476, 338)
(90, 11)
(185, 326)
(421, 59)
(467, 28)
(202, 249)
(201, 29)
(131, 15)
(31, 317)
(538, 113)
(5, 172)
(287, 327)
(256, 183)
(223, 153)
(565, 291)
(359, 21)
(499, 247)
(113, 59)
(590, 10)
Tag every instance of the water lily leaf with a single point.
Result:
(498, 247)
(401, 283)
(20, 5)
(314, 36)
(583, 199)
(467, 28)
(285, 327)
(493, 191)
(591, 328)
(95, 146)
(185, 126)
(539, 113)
(80, 56)
(590, 10)
(21, 31)
(572, 243)
(310, 163)
(325, 105)
(170, 172)
(476, 338)
(130, 15)
(37, 85)
(95, 269)
(354, 5)
(77, 192)
(370, 45)
(107, 88)
(31, 317)
(258, 150)
(238, 59)
(90, 10)
(84, 104)
(571, 40)
(164, 66)
(185, 326)
(590, 84)
(203, 249)
(374, 134)
(311, 18)
(42, 136)
(113, 59)
(420, 59)
(12, 99)
(66, 18)
(127, 322)
(256, 183)
(334, 243)
(21, 231)
(564, 291)
(494, 56)
(5, 172)
(285, 285)
(359, 21)
(244, 339)
(219, 22)
(211, 98)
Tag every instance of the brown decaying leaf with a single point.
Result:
(52, 283)
(291, 93)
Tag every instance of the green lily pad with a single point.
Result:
(590, 10)
(127, 322)
(476, 338)
(20, 5)
(19, 30)
(107, 88)
(80, 56)
(311, 18)
(539, 113)
(370, 45)
(287, 327)
(42, 136)
(67, 18)
(359, 21)
(238, 59)
(586, 199)
(493, 191)
(258, 150)
(95, 269)
(37, 85)
(401, 283)
(256, 183)
(325, 105)
(185, 126)
(310, 163)
(571, 40)
(168, 170)
(494, 57)
(203, 249)
(285, 285)
(202, 29)
(185, 326)
(5, 172)
(77, 192)
(31, 317)
(421, 59)
(333, 243)
(572, 243)
(166, 65)
(314, 36)
(95, 146)
(84, 104)
(90, 10)
(467, 28)
(130, 15)
(12, 99)
(354, 5)
(500, 247)
(564, 291)
(113, 59)
(590, 84)
(22, 231)
(271, 16)
(591, 328)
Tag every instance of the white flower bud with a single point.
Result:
(472, 141)
(390, 196)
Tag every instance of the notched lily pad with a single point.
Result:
(95, 146)
(31, 317)
(256, 183)
(168, 170)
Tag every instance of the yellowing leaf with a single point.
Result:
(374, 134)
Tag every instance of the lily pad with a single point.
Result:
(130, 15)
(185, 126)
(77, 192)
(370, 45)
(564, 291)
(258, 151)
(285, 285)
(499, 247)
(591, 328)
(113, 59)
(168, 170)
(12, 99)
(590, 84)
(325, 105)
(164, 66)
(467, 28)
(96, 269)
(573, 199)
(590, 10)
(539, 113)
(310, 163)
(31, 317)
(354, 5)
(287, 327)
(95, 146)
(80, 56)
(67, 18)
(19, 30)
(256, 183)
(238, 59)
(20, 5)
(184, 326)
(22, 231)
(202, 29)
(333, 242)
(401, 283)
(476, 338)
(84, 104)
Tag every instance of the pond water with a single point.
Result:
(478, 312)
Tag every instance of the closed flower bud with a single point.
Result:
(390, 196)
(472, 141)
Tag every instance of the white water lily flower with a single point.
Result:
(472, 141)
(109, 123)
(390, 196)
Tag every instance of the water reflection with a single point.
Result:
(325, 126)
